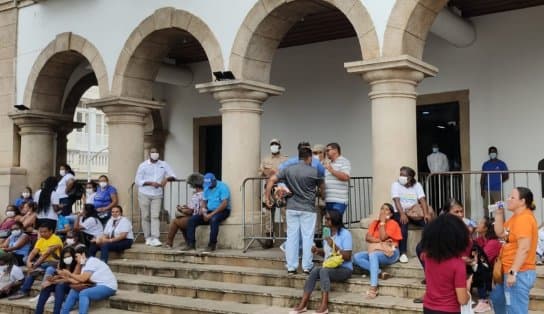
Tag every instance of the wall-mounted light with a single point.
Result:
(21, 107)
(223, 76)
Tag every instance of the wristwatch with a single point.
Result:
(513, 273)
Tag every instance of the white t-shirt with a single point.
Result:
(16, 274)
(50, 212)
(61, 186)
(408, 196)
(89, 198)
(101, 273)
(336, 191)
(123, 225)
(91, 226)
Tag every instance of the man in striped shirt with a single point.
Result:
(336, 179)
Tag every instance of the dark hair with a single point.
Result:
(89, 211)
(336, 219)
(196, 180)
(49, 186)
(444, 238)
(303, 144)
(29, 190)
(390, 207)
(119, 207)
(335, 146)
(67, 168)
(304, 153)
(81, 249)
(9, 260)
(452, 202)
(490, 233)
(46, 224)
(92, 183)
(411, 175)
(527, 195)
(31, 205)
(492, 148)
(70, 250)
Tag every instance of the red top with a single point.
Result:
(442, 280)
(491, 248)
(392, 229)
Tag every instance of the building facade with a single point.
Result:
(348, 71)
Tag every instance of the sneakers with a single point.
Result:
(18, 295)
(403, 259)
(482, 307)
(187, 248)
(210, 248)
(155, 242)
(282, 247)
(307, 271)
(148, 241)
(291, 272)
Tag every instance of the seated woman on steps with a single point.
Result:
(382, 238)
(341, 242)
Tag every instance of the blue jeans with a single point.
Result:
(117, 246)
(29, 280)
(403, 244)
(299, 224)
(372, 262)
(95, 293)
(515, 299)
(60, 291)
(214, 222)
(339, 207)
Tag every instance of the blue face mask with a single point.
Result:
(435, 149)
(493, 155)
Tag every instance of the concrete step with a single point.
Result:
(25, 306)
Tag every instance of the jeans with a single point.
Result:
(338, 207)
(515, 299)
(60, 291)
(404, 229)
(299, 223)
(214, 222)
(49, 268)
(95, 293)
(372, 262)
(150, 208)
(117, 246)
(325, 276)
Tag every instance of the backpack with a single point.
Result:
(76, 192)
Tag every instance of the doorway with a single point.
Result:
(207, 144)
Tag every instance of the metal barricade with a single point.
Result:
(360, 200)
(176, 192)
(467, 187)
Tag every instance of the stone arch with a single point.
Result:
(409, 25)
(267, 23)
(77, 92)
(52, 69)
(138, 64)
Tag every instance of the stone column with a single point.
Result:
(62, 141)
(241, 109)
(393, 82)
(125, 117)
(38, 143)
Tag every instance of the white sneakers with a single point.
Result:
(153, 242)
(403, 258)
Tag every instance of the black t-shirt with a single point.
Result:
(541, 167)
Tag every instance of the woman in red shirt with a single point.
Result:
(444, 241)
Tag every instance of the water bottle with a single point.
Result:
(493, 207)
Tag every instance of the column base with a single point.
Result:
(230, 237)
(12, 182)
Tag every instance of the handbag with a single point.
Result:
(334, 260)
(498, 277)
(81, 286)
(387, 247)
(415, 212)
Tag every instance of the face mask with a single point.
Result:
(103, 184)
(435, 149)
(492, 155)
(274, 149)
(69, 242)
(154, 156)
(10, 214)
(62, 172)
(16, 232)
(68, 260)
(89, 191)
(25, 194)
(403, 180)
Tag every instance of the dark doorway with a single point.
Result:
(210, 139)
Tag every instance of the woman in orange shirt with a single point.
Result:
(383, 230)
(520, 234)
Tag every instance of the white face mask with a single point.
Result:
(70, 241)
(62, 172)
(89, 191)
(492, 155)
(154, 156)
(10, 214)
(403, 180)
(16, 232)
(25, 194)
(435, 149)
(68, 260)
(103, 184)
(274, 149)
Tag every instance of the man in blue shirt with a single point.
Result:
(491, 184)
(215, 208)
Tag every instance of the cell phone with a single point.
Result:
(326, 232)
(55, 273)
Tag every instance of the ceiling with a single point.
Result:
(328, 23)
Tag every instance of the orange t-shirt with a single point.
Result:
(522, 225)
(392, 229)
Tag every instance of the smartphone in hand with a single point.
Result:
(326, 232)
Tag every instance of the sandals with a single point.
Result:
(384, 276)
(372, 294)
(293, 311)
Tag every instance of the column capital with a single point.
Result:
(125, 110)
(240, 95)
(38, 122)
(402, 67)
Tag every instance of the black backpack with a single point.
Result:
(76, 192)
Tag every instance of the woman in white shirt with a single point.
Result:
(47, 197)
(117, 235)
(65, 185)
(88, 225)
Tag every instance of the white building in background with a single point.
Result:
(88, 146)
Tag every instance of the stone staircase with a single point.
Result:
(157, 280)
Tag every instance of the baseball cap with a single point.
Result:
(275, 140)
(209, 179)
